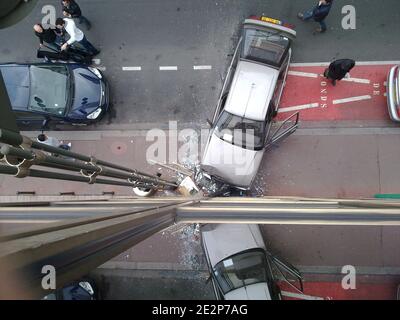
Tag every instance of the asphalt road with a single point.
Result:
(185, 33)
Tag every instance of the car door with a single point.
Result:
(284, 271)
(30, 119)
(281, 82)
(285, 129)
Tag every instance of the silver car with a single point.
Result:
(240, 266)
(393, 93)
(250, 97)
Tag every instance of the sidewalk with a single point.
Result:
(339, 162)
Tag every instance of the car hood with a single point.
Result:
(234, 165)
(16, 79)
(257, 291)
(87, 93)
(224, 240)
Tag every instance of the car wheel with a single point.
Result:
(141, 192)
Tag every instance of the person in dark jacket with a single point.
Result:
(318, 13)
(72, 10)
(53, 38)
(338, 69)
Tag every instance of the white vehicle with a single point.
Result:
(393, 93)
(250, 97)
(241, 268)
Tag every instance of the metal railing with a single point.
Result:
(19, 154)
(77, 245)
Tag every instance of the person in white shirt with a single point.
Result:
(53, 142)
(50, 141)
(76, 35)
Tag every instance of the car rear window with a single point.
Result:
(267, 47)
(243, 269)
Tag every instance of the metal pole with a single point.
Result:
(84, 164)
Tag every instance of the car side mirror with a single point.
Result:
(209, 123)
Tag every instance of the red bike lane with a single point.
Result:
(360, 97)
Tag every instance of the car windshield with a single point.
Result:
(49, 89)
(242, 132)
(267, 47)
(243, 269)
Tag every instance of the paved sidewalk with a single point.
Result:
(339, 162)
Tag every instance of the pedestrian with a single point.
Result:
(72, 10)
(338, 69)
(52, 37)
(76, 36)
(50, 141)
(318, 13)
(53, 142)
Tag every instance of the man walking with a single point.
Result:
(318, 13)
(50, 36)
(338, 69)
(72, 10)
(76, 36)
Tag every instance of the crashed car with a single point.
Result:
(241, 128)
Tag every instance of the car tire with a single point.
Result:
(141, 192)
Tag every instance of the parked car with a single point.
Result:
(84, 289)
(241, 125)
(241, 267)
(56, 92)
(393, 93)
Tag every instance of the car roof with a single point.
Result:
(225, 240)
(252, 90)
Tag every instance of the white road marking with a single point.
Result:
(297, 108)
(168, 68)
(385, 94)
(376, 63)
(357, 80)
(310, 64)
(385, 83)
(358, 63)
(300, 296)
(352, 99)
(202, 67)
(303, 74)
(131, 68)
